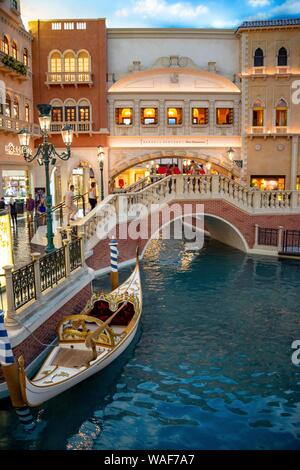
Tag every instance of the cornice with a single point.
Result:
(121, 33)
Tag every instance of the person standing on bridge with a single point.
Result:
(70, 205)
(93, 196)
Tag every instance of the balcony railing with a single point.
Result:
(32, 281)
(14, 67)
(8, 124)
(77, 126)
(69, 78)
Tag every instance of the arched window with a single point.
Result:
(55, 63)
(258, 57)
(57, 111)
(16, 109)
(83, 62)
(5, 45)
(258, 113)
(70, 111)
(27, 113)
(25, 57)
(69, 62)
(14, 50)
(8, 106)
(84, 111)
(282, 57)
(281, 113)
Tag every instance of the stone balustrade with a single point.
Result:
(185, 187)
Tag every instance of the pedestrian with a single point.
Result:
(30, 205)
(70, 206)
(93, 196)
(41, 210)
(13, 211)
(202, 170)
(2, 204)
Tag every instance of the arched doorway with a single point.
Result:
(55, 186)
(81, 178)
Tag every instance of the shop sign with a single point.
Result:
(11, 149)
(170, 141)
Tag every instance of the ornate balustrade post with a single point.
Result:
(280, 238)
(179, 185)
(67, 257)
(81, 238)
(294, 199)
(69, 233)
(215, 184)
(256, 200)
(37, 274)
(256, 234)
(10, 298)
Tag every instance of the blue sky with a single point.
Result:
(163, 13)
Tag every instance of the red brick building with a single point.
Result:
(70, 70)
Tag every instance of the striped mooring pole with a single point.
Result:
(11, 374)
(114, 252)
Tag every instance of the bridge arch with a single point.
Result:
(217, 227)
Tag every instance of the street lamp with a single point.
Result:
(46, 154)
(230, 153)
(101, 165)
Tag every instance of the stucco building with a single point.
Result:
(17, 177)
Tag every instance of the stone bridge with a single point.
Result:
(233, 214)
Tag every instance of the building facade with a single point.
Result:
(70, 70)
(17, 178)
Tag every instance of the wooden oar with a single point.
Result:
(92, 337)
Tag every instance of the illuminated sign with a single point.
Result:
(11, 149)
(5, 244)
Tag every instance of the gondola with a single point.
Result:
(87, 343)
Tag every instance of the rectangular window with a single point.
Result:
(70, 113)
(57, 114)
(268, 183)
(149, 116)
(124, 116)
(174, 116)
(69, 26)
(84, 113)
(81, 25)
(224, 116)
(27, 113)
(56, 26)
(281, 117)
(258, 117)
(83, 64)
(200, 116)
(298, 183)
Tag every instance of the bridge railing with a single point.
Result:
(185, 187)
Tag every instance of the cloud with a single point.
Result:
(259, 3)
(290, 7)
(163, 11)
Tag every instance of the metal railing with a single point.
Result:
(291, 242)
(268, 236)
(24, 285)
(52, 269)
(30, 282)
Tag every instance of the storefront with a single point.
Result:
(268, 183)
(15, 183)
(82, 177)
(5, 244)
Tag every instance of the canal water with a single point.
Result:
(210, 368)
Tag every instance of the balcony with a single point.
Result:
(282, 71)
(257, 130)
(79, 127)
(13, 68)
(281, 130)
(11, 125)
(66, 78)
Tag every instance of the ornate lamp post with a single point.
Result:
(46, 155)
(101, 166)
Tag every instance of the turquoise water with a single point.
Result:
(210, 368)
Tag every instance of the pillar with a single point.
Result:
(294, 162)
(10, 299)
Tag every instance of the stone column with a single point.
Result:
(66, 244)
(256, 235)
(294, 162)
(10, 299)
(280, 238)
(37, 275)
